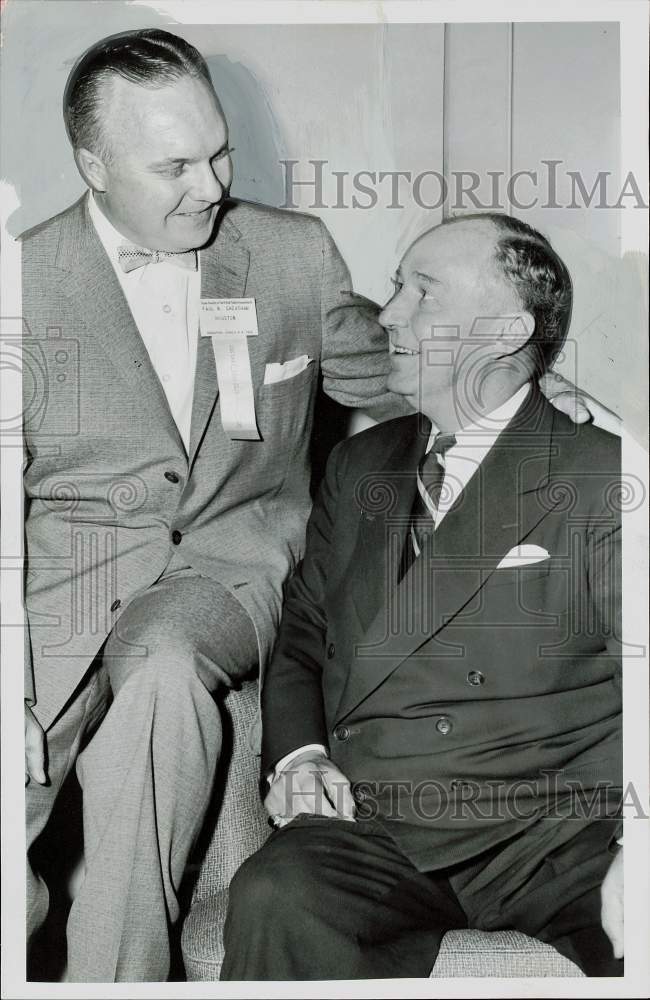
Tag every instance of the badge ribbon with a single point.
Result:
(229, 323)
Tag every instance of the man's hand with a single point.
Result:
(577, 405)
(34, 749)
(310, 784)
(611, 910)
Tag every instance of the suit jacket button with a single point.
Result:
(342, 733)
(444, 725)
(331, 649)
(115, 605)
(172, 477)
(475, 677)
(176, 537)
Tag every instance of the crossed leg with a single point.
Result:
(148, 771)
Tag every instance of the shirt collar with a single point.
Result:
(108, 234)
(486, 429)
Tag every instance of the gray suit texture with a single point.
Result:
(155, 577)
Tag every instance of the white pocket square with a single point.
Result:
(523, 555)
(280, 371)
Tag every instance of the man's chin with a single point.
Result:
(194, 231)
(399, 386)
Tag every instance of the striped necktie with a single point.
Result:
(430, 477)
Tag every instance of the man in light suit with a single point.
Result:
(442, 714)
(158, 541)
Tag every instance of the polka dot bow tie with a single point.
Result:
(131, 257)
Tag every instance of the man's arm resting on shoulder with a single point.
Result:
(577, 404)
(294, 741)
(355, 358)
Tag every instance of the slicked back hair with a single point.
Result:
(529, 263)
(149, 57)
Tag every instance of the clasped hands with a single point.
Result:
(310, 783)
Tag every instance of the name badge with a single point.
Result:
(228, 317)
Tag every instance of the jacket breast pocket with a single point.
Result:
(288, 386)
(524, 593)
(520, 576)
(284, 416)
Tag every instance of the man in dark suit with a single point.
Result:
(442, 714)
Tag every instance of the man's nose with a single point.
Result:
(392, 315)
(206, 185)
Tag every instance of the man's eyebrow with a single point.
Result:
(171, 161)
(426, 279)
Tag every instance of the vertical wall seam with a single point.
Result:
(445, 121)
(509, 114)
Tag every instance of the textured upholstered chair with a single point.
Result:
(238, 826)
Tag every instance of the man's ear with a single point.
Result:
(515, 332)
(92, 168)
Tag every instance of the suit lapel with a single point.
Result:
(498, 508)
(106, 315)
(505, 499)
(224, 270)
(385, 499)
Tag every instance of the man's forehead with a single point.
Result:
(185, 95)
(469, 242)
(164, 120)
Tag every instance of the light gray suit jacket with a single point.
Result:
(99, 435)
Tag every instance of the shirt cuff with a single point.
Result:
(284, 762)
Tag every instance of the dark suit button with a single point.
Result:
(342, 733)
(331, 649)
(172, 477)
(444, 725)
(115, 605)
(176, 537)
(475, 677)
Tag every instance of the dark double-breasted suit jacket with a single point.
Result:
(108, 481)
(476, 699)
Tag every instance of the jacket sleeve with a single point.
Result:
(355, 360)
(292, 699)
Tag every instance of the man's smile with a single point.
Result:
(398, 349)
(197, 213)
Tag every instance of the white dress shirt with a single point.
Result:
(460, 463)
(164, 300)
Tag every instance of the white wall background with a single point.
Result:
(481, 97)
